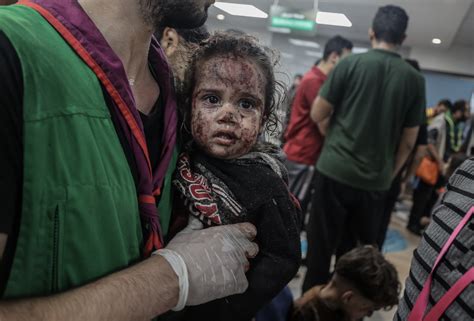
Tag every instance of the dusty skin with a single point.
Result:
(228, 103)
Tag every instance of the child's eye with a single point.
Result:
(246, 104)
(212, 99)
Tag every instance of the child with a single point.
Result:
(225, 178)
(363, 282)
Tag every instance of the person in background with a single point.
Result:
(446, 130)
(179, 45)
(412, 161)
(458, 259)
(444, 140)
(468, 139)
(372, 119)
(440, 108)
(287, 103)
(363, 282)
(303, 139)
(83, 178)
(296, 82)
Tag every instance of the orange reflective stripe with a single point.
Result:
(147, 199)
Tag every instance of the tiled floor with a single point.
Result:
(400, 259)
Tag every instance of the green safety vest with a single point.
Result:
(80, 218)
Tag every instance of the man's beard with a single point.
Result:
(175, 14)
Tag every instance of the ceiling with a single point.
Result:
(450, 20)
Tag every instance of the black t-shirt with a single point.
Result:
(11, 146)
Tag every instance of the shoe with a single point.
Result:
(414, 230)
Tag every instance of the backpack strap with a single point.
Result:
(442, 305)
(421, 303)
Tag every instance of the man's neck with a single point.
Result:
(326, 67)
(384, 45)
(122, 25)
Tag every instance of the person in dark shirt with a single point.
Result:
(444, 140)
(372, 119)
(395, 188)
(363, 282)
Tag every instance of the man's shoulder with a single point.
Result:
(312, 78)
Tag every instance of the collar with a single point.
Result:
(318, 72)
(386, 52)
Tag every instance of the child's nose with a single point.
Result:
(228, 114)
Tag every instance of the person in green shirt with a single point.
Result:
(370, 109)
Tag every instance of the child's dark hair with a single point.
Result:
(375, 278)
(244, 46)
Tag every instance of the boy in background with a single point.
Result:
(363, 282)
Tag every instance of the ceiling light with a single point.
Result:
(357, 50)
(280, 30)
(315, 54)
(333, 19)
(436, 41)
(304, 43)
(243, 10)
(287, 55)
(220, 17)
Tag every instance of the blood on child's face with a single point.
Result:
(228, 105)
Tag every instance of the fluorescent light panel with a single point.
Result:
(243, 10)
(357, 50)
(314, 54)
(287, 55)
(304, 43)
(436, 41)
(333, 19)
(280, 30)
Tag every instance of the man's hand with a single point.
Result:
(215, 259)
(405, 147)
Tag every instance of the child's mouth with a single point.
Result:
(225, 138)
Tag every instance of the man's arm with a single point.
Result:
(151, 287)
(321, 112)
(138, 293)
(405, 147)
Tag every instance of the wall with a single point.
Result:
(458, 60)
(439, 86)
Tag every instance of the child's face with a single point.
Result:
(228, 105)
(357, 306)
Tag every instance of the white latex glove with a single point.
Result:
(210, 263)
